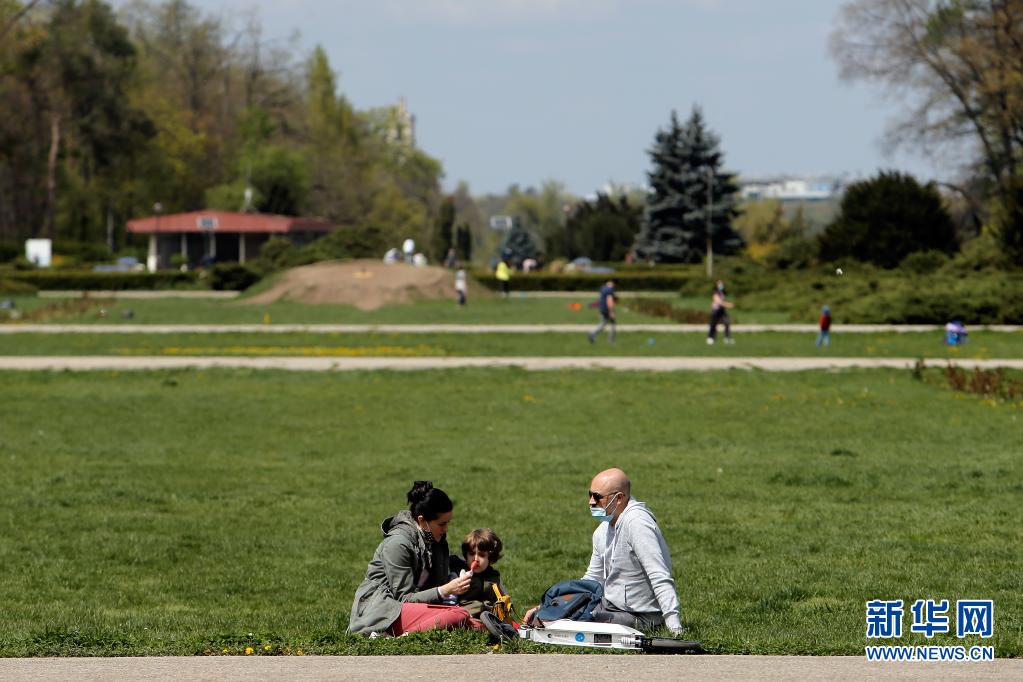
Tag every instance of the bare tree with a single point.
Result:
(957, 64)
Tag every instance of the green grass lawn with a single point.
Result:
(203, 512)
(493, 310)
(643, 344)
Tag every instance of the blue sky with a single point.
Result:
(520, 91)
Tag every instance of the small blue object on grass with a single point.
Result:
(651, 341)
(955, 333)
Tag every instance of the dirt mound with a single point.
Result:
(366, 284)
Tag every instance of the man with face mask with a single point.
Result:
(630, 559)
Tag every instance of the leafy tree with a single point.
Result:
(65, 78)
(106, 115)
(762, 222)
(687, 161)
(884, 219)
(542, 213)
(277, 174)
(604, 228)
(1007, 223)
(957, 65)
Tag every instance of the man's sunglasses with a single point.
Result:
(597, 497)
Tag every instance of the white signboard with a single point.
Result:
(501, 222)
(39, 252)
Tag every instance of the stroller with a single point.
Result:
(955, 333)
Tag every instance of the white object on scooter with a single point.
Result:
(579, 633)
(604, 636)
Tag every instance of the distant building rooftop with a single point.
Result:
(791, 188)
(226, 222)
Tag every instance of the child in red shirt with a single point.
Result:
(824, 335)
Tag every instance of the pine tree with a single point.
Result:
(519, 245)
(674, 226)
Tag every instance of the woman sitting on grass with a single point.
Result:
(407, 579)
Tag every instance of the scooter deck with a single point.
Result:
(605, 636)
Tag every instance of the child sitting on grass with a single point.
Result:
(480, 551)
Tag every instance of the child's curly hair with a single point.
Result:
(483, 540)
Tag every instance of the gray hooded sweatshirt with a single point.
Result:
(398, 573)
(631, 560)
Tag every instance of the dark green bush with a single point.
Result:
(884, 219)
(276, 254)
(232, 277)
(90, 281)
(12, 286)
(80, 252)
(627, 281)
(795, 252)
(923, 262)
(9, 251)
(868, 295)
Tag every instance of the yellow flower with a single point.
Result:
(248, 651)
(225, 651)
(266, 647)
(301, 653)
(527, 398)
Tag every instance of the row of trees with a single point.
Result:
(958, 67)
(689, 208)
(108, 114)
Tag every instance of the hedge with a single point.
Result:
(627, 281)
(81, 280)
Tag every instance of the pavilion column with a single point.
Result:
(184, 247)
(241, 248)
(152, 259)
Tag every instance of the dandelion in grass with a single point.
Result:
(248, 651)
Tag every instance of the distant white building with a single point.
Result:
(791, 188)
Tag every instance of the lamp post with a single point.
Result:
(157, 209)
(710, 207)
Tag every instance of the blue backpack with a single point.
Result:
(571, 599)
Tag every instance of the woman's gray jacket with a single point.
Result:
(392, 574)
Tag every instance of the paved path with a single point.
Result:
(322, 364)
(561, 667)
(666, 328)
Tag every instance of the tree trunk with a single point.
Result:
(51, 176)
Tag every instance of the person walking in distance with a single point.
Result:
(824, 335)
(608, 314)
(503, 276)
(719, 314)
(461, 286)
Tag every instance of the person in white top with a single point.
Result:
(461, 286)
(630, 559)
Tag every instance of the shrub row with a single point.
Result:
(91, 281)
(627, 281)
(878, 296)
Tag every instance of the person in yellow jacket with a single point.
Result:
(503, 275)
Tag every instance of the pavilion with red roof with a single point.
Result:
(218, 236)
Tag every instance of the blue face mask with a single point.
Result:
(601, 513)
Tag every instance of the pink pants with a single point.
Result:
(419, 617)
